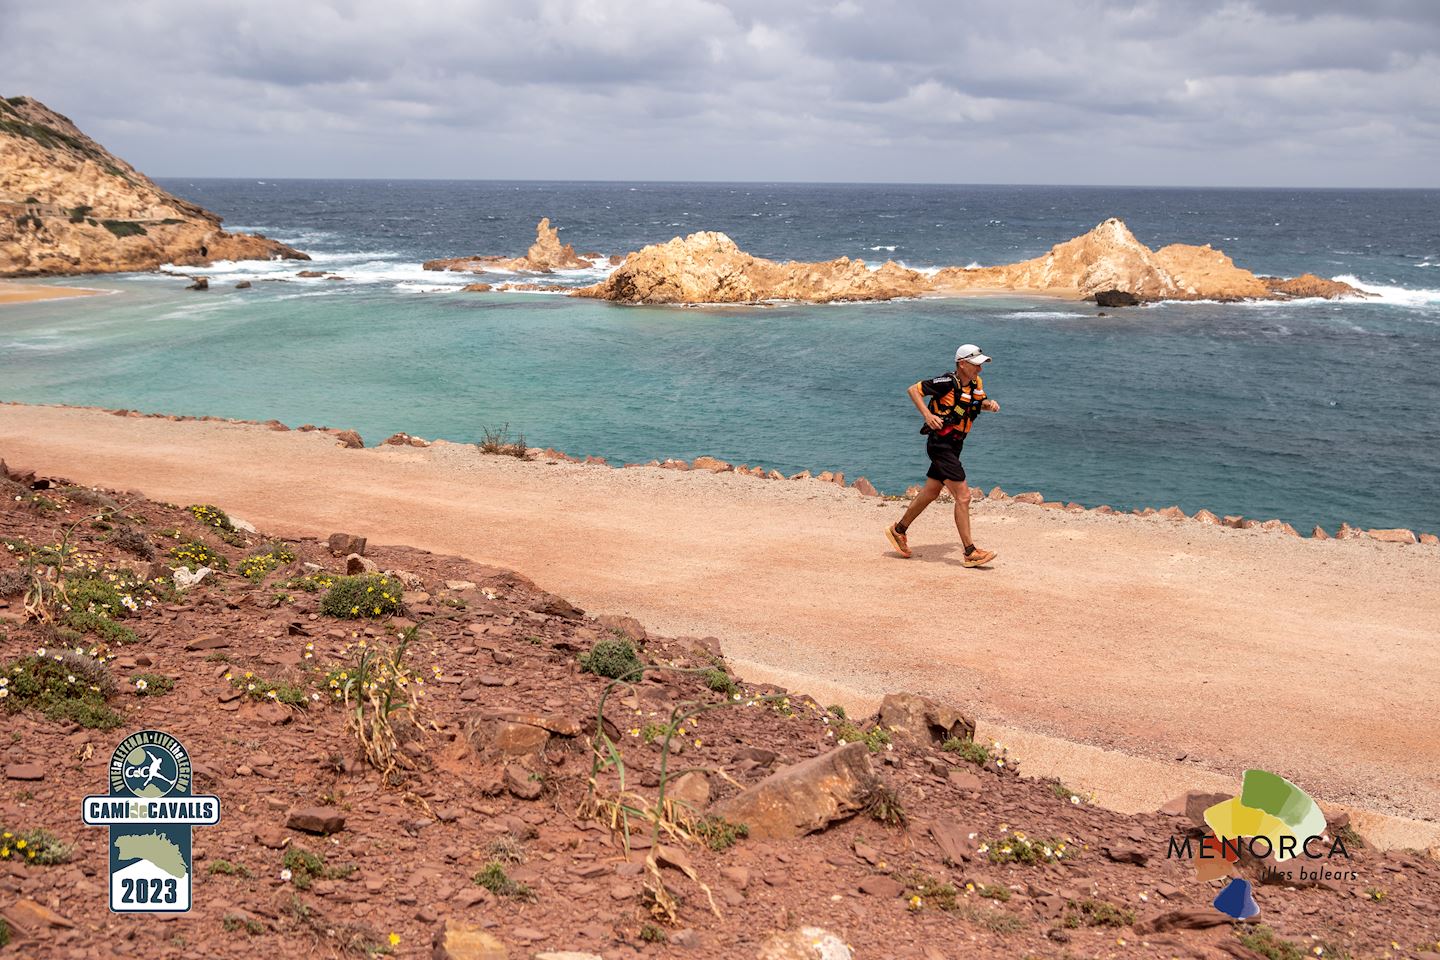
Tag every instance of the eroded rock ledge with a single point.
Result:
(710, 268)
(69, 206)
(1106, 264)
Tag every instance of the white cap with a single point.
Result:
(970, 353)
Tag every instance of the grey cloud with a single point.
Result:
(1225, 91)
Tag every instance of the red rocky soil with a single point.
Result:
(500, 762)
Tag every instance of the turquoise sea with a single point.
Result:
(1311, 411)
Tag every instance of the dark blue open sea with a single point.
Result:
(1314, 412)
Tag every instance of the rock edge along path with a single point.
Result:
(1131, 637)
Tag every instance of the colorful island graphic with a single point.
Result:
(1273, 818)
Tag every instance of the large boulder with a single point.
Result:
(458, 940)
(923, 720)
(806, 796)
(807, 943)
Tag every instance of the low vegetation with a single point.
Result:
(613, 657)
(497, 441)
(65, 686)
(365, 596)
(494, 878)
(35, 848)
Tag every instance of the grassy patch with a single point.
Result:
(124, 228)
(719, 834)
(67, 686)
(369, 595)
(652, 934)
(928, 891)
(234, 924)
(494, 879)
(876, 738)
(225, 868)
(977, 753)
(612, 657)
(36, 848)
(720, 681)
(306, 867)
(1090, 912)
(257, 687)
(152, 684)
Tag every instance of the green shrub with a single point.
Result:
(613, 657)
(367, 595)
(875, 738)
(257, 565)
(306, 867)
(1018, 848)
(78, 214)
(720, 681)
(494, 879)
(930, 891)
(124, 228)
(227, 869)
(719, 834)
(1090, 912)
(36, 848)
(213, 516)
(652, 934)
(310, 582)
(194, 554)
(152, 685)
(66, 686)
(1263, 941)
(258, 688)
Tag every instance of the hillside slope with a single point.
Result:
(68, 206)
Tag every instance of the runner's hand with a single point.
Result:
(932, 421)
(990, 405)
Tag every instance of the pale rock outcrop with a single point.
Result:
(546, 255)
(1107, 263)
(69, 206)
(707, 267)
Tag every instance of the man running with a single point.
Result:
(949, 403)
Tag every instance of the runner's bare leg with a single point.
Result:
(960, 490)
(923, 499)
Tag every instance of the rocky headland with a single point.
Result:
(69, 206)
(1105, 263)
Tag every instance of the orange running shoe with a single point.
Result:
(898, 541)
(978, 557)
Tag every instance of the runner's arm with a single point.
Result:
(917, 397)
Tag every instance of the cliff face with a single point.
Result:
(710, 268)
(67, 206)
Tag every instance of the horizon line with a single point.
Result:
(800, 183)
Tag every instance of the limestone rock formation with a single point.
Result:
(546, 255)
(708, 267)
(68, 206)
(1107, 262)
(1109, 258)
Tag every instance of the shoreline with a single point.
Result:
(352, 440)
(15, 292)
(794, 579)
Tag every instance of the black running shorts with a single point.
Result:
(944, 458)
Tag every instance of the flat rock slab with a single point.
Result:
(805, 797)
(322, 821)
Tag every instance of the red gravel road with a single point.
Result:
(1149, 639)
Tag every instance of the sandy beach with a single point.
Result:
(1134, 657)
(12, 292)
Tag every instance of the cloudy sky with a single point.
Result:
(1255, 92)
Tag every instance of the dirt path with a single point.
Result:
(1104, 649)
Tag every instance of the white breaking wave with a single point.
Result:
(1396, 296)
(882, 246)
